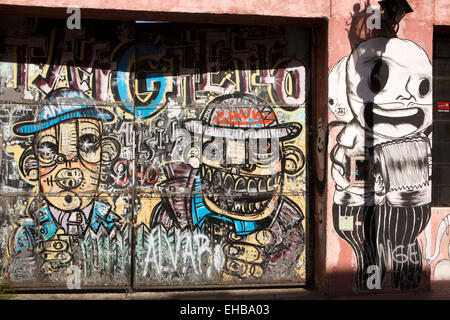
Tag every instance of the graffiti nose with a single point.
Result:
(60, 158)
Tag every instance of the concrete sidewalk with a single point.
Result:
(440, 290)
(232, 294)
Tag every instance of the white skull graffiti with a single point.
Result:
(389, 86)
(337, 93)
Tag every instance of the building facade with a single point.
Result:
(188, 143)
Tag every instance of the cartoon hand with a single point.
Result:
(379, 184)
(55, 254)
(246, 256)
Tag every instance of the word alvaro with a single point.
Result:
(179, 252)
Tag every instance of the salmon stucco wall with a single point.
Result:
(289, 8)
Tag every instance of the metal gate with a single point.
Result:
(152, 154)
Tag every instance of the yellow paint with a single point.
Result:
(147, 204)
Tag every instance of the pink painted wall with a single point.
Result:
(441, 12)
(288, 8)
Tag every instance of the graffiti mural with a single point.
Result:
(168, 157)
(237, 185)
(436, 244)
(64, 156)
(381, 162)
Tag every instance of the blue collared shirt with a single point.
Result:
(200, 212)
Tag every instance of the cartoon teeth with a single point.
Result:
(218, 178)
(241, 194)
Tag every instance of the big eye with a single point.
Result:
(379, 76)
(88, 143)
(424, 87)
(47, 151)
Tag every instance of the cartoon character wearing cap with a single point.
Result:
(236, 188)
(64, 160)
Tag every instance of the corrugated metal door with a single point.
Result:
(153, 154)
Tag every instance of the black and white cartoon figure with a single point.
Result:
(381, 162)
(337, 92)
(236, 187)
(64, 162)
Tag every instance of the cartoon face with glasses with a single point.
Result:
(239, 165)
(65, 161)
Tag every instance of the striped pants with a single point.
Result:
(384, 236)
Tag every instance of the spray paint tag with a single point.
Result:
(346, 223)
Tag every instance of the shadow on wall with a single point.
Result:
(358, 29)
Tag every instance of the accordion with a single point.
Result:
(403, 164)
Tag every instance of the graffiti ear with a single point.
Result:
(110, 150)
(294, 160)
(28, 166)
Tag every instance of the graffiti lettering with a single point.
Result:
(123, 172)
(192, 141)
(178, 252)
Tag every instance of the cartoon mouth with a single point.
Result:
(68, 183)
(240, 194)
(69, 178)
(374, 114)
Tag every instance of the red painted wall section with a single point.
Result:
(289, 8)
